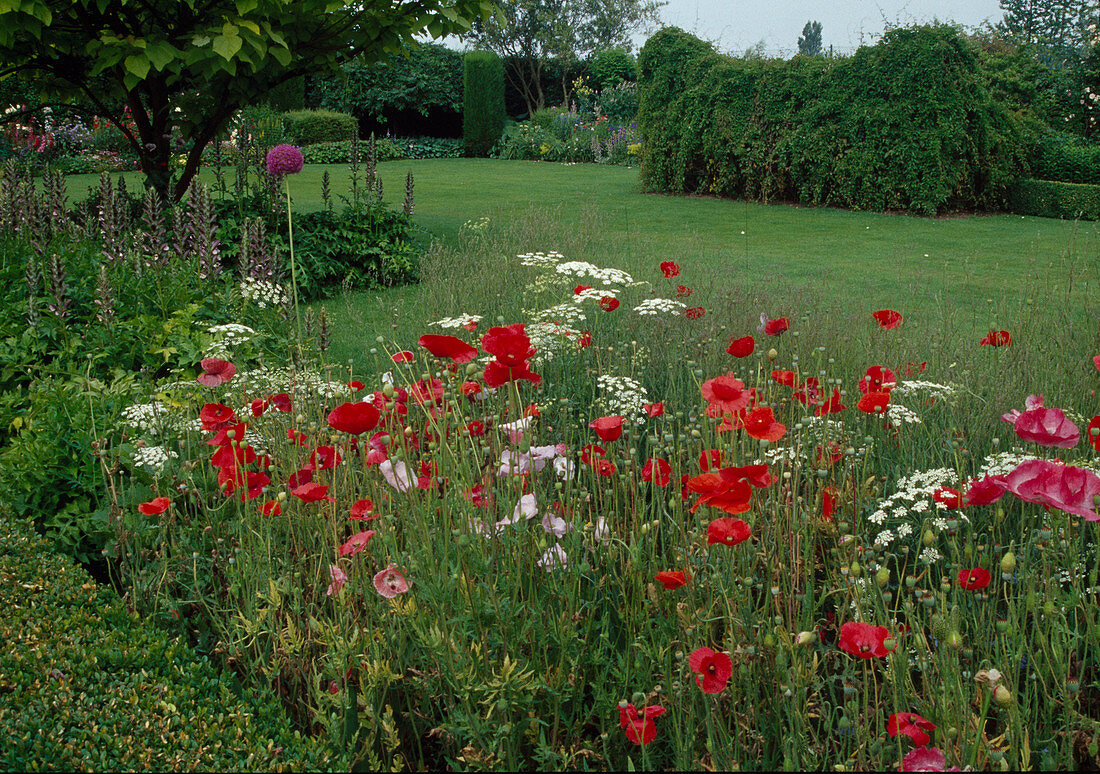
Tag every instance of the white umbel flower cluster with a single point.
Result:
(262, 293)
(655, 306)
(461, 321)
(624, 396)
(153, 458)
(541, 260)
(590, 270)
(145, 417)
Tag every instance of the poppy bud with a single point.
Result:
(882, 577)
(929, 538)
(1002, 626)
(954, 640)
(769, 640)
(855, 570)
(1002, 697)
(1008, 563)
(806, 638)
(889, 643)
(388, 390)
(772, 354)
(637, 698)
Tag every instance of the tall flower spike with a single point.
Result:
(407, 208)
(59, 288)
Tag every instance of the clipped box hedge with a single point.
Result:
(86, 686)
(1053, 199)
(307, 127)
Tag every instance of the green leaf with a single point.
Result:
(244, 6)
(138, 64)
(280, 55)
(227, 47)
(161, 54)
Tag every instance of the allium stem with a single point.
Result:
(293, 265)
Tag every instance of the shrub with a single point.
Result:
(306, 127)
(87, 686)
(1053, 199)
(907, 125)
(1066, 158)
(483, 102)
(340, 152)
(610, 67)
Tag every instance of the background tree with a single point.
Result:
(528, 33)
(809, 44)
(182, 68)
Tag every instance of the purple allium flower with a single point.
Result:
(284, 160)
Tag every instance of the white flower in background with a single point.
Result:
(556, 525)
(262, 293)
(925, 389)
(562, 314)
(461, 321)
(396, 475)
(554, 558)
(597, 274)
(564, 468)
(899, 415)
(515, 430)
(623, 396)
(930, 555)
(541, 260)
(549, 338)
(594, 294)
(145, 416)
(655, 306)
(153, 458)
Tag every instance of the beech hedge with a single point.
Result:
(906, 125)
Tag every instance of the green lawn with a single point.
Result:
(977, 268)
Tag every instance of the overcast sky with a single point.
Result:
(735, 25)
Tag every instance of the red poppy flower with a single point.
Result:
(712, 669)
(831, 406)
(654, 410)
(509, 345)
(497, 374)
(728, 531)
(760, 424)
(608, 428)
(874, 402)
(271, 508)
(912, 725)
(312, 492)
(1092, 432)
(228, 456)
(863, 640)
(997, 339)
(580, 289)
(1096, 362)
(974, 579)
(215, 371)
(155, 506)
(985, 492)
(449, 347)
(584, 340)
(776, 326)
(657, 472)
(404, 356)
(887, 318)
(259, 406)
(214, 416)
(710, 458)
(639, 726)
(695, 312)
(363, 510)
(683, 291)
(588, 452)
(356, 385)
(742, 347)
(670, 269)
(828, 502)
(911, 368)
(353, 418)
(672, 579)
(809, 392)
(784, 378)
(609, 303)
(726, 392)
(949, 497)
(356, 543)
(603, 467)
(297, 437)
(324, 458)
(878, 379)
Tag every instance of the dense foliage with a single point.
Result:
(483, 102)
(905, 125)
(307, 127)
(1054, 199)
(89, 687)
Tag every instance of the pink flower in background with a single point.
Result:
(396, 474)
(215, 371)
(284, 160)
(1056, 485)
(390, 582)
(339, 578)
(356, 543)
(1048, 427)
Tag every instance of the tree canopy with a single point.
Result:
(155, 67)
(527, 33)
(809, 43)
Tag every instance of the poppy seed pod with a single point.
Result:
(1003, 697)
(1008, 563)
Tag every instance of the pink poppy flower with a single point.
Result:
(356, 543)
(339, 578)
(1059, 486)
(390, 582)
(1047, 427)
(215, 371)
(925, 759)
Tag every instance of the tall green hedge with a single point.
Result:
(483, 102)
(905, 125)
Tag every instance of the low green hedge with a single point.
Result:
(85, 686)
(306, 127)
(1051, 199)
